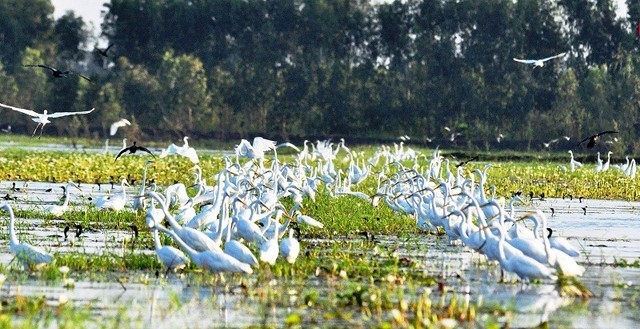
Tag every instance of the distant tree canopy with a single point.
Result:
(302, 68)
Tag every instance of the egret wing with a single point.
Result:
(287, 144)
(62, 114)
(263, 144)
(555, 56)
(27, 112)
(118, 124)
(526, 61)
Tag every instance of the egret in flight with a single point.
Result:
(538, 62)
(118, 124)
(43, 118)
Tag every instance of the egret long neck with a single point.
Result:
(165, 208)
(13, 238)
(192, 252)
(156, 238)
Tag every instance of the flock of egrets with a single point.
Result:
(222, 224)
(628, 168)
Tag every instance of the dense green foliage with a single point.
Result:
(303, 68)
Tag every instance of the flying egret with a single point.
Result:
(118, 124)
(185, 150)
(538, 62)
(43, 118)
(256, 149)
(26, 253)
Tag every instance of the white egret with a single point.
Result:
(290, 248)
(574, 164)
(184, 150)
(562, 244)
(606, 165)
(214, 261)
(115, 202)
(43, 118)
(538, 62)
(171, 257)
(139, 202)
(192, 237)
(118, 124)
(26, 253)
(523, 266)
(256, 149)
(58, 210)
(269, 250)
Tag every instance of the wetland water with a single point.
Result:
(607, 235)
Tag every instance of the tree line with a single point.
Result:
(294, 69)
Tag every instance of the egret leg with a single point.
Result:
(41, 129)
(34, 131)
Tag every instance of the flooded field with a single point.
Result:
(606, 232)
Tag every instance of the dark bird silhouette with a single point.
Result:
(104, 52)
(594, 138)
(553, 211)
(77, 234)
(584, 210)
(462, 163)
(133, 149)
(135, 231)
(57, 73)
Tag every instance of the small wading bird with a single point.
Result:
(43, 118)
(132, 149)
(537, 62)
(57, 73)
(594, 138)
(118, 124)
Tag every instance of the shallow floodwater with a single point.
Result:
(607, 233)
(113, 147)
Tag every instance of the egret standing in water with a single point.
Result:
(43, 118)
(26, 253)
(58, 210)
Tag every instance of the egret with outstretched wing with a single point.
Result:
(43, 118)
(118, 124)
(538, 62)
